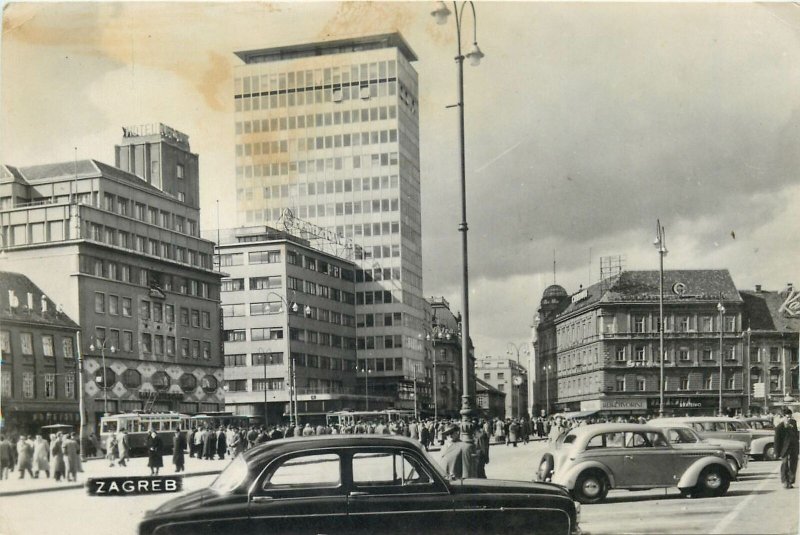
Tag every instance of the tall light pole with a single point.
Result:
(293, 307)
(547, 369)
(366, 371)
(101, 345)
(81, 400)
(660, 243)
(441, 13)
(747, 372)
(263, 354)
(721, 310)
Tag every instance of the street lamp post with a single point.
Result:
(293, 307)
(101, 345)
(661, 245)
(547, 381)
(721, 310)
(441, 13)
(747, 372)
(81, 400)
(366, 370)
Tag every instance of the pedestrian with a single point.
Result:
(6, 457)
(499, 432)
(41, 457)
(458, 457)
(424, 436)
(787, 447)
(178, 450)
(57, 457)
(112, 449)
(24, 456)
(482, 451)
(198, 441)
(221, 444)
(190, 441)
(154, 448)
(308, 431)
(209, 445)
(513, 433)
(124, 445)
(72, 456)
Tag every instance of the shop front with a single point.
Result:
(695, 405)
(29, 418)
(616, 406)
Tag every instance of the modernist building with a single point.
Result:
(119, 249)
(771, 335)
(598, 349)
(330, 132)
(289, 323)
(38, 371)
(508, 376)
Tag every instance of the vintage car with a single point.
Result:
(685, 437)
(592, 459)
(723, 427)
(762, 448)
(358, 484)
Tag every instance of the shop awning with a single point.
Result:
(575, 414)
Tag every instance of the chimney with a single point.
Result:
(789, 287)
(758, 287)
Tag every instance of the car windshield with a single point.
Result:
(231, 477)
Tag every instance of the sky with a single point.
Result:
(585, 123)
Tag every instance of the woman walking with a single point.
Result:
(178, 449)
(154, 449)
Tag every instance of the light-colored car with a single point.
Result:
(762, 448)
(714, 427)
(685, 437)
(592, 459)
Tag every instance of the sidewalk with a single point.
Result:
(100, 468)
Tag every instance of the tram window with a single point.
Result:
(156, 426)
(110, 426)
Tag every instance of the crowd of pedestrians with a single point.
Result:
(59, 457)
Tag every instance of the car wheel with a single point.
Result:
(545, 468)
(591, 487)
(713, 481)
(769, 452)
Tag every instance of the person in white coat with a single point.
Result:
(41, 456)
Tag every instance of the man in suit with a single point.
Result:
(787, 447)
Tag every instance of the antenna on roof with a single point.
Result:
(554, 266)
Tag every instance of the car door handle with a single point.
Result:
(357, 493)
(261, 499)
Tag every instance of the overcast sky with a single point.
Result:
(585, 123)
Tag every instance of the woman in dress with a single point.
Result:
(154, 449)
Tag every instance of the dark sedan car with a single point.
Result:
(351, 484)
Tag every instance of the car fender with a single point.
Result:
(691, 475)
(569, 477)
(759, 444)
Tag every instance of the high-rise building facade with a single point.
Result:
(120, 249)
(330, 132)
(289, 327)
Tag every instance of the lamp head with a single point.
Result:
(440, 13)
(294, 307)
(475, 55)
(91, 346)
(307, 311)
(113, 349)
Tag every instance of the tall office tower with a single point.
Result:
(330, 131)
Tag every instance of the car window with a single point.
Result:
(614, 440)
(304, 471)
(738, 426)
(569, 439)
(387, 468)
(721, 426)
(595, 442)
(636, 440)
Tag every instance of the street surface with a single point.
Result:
(756, 504)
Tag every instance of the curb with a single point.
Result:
(73, 486)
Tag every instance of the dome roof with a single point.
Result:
(554, 291)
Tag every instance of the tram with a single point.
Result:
(213, 420)
(138, 424)
(350, 418)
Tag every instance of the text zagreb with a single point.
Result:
(123, 486)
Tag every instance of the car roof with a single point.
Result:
(612, 428)
(282, 446)
(695, 419)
